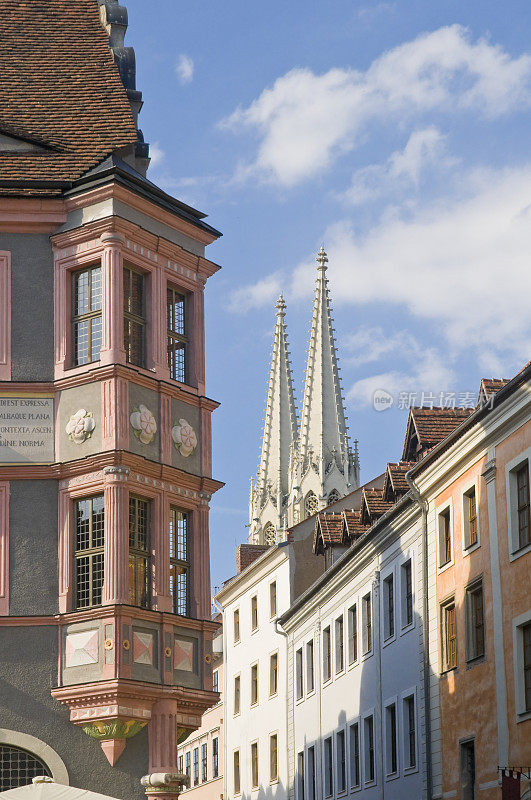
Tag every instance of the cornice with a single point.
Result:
(31, 215)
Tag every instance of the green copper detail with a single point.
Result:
(113, 729)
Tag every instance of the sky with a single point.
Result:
(394, 133)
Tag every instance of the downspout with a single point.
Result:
(225, 695)
(282, 632)
(422, 504)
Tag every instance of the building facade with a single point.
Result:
(105, 438)
(200, 756)
(302, 469)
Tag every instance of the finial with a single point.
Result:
(280, 306)
(322, 259)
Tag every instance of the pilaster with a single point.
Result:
(200, 566)
(116, 561)
(65, 552)
(5, 315)
(4, 549)
(112, 344)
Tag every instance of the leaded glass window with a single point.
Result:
(179, 561)
(177, 339)
(134, 317)
(89, 521)
(18, 767)
(139, 551)
(86, 316)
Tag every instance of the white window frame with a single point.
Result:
(337, 618)
(254, 787)
(448, 504)
(363, 595)
(327, 680)
(353, 602)
(271, 654)
(307, 775)
(257, 703)
(234, 639)
(257, 628)
(518, 663)
(512, 513)
(330, 738)
(359, 786)
(311, 640)
(237, 750)
(384, 576)
(408, 626)
(234, 712)
(344, 791)
(404, 745)
(299, 697)
(275, 584)
(474, 484)
(274, 781)
(366, 781)
(391, 776)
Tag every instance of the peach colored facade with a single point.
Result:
(480, 720)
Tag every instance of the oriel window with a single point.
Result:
(139, 551)
(86, 316)
(179, 562)
(89, 515)
(177, 339)
(134, 317)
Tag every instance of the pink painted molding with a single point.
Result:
(116, 560)
(112, 343)
(4, 549)
(65, 552)
(162, 736)
(115, 412)
(5, 315)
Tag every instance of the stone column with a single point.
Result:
(116, 552)
(112, 344)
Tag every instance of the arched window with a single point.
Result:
(18, 767)
(270, 534)
(310, 504)
(333, 497)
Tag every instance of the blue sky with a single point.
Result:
(397, 134)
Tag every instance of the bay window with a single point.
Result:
(88, 541)
(179, 562)
(139, 551)
(176, 334)
(134, 317)
(86, 315)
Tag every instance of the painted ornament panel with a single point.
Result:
(80, 426)
(184, 438)
(144, 424)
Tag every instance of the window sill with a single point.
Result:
(471, 549)
(354, 664)
(369, 784)
(367, 655)
(519, 552)
(389, 640)
(310, 694)
(355, 789)
(448, 671)
(472, 662)
(410, 770)
(340, 672)
(407, 628)
(522, 716)
(443, 567)
(392, 776)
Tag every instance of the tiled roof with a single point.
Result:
(331, 527)
(247, 553)
(395, 482)
(490, 386)
(431, 426)
(374, 505)
(59, 89)
(353, 524)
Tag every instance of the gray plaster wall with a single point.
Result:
(32, 334)
(28, 671)
(33, 580)
(71, 401)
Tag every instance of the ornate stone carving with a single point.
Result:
(184, 438)
(144, 424)
(80, 426)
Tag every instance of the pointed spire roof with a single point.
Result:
(280, 427)
(323, 424)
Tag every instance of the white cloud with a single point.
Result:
(156, 154)
(184, 68)
(305, 121)
(257, 295)
(425, 148)
(461, 263)
(424, 370)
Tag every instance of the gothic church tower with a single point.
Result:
(300, 474)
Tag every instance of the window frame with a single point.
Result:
(310, 667)
(299, 674)
(341, 763)
(511, 469)
(471, 591)
(237, 685)
(445, 607)
(179, 563)
(391, 740)
(367, 779)
(445, 511)
(273, 659)
(76, 319)
(204, 762)
(273, 599)
(273, 777)
(173, 338)
(388, 583)
(367, 628)
(91, 552)
(254, 685)
(236, 626)
(236, 771)
(465, 511)
(520, 624)
(405, 624)
(327, 654)
(354, 725)
(133, 318)
(353, 634)
(311, 772)
(195, 766)
(135, 552)
(254, 614)
(406, 696)
(339, 642)
(254, 764)
(328, 767)
(215, 757)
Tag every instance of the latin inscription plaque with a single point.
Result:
(26, 429)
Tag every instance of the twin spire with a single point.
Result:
(302, 470)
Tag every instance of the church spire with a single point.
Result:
(323, 438)
(270, 491)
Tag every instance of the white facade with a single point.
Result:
(360, 685)
(252, 642)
